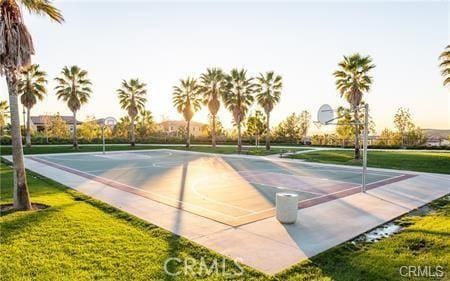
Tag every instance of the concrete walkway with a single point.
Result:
(268, 245)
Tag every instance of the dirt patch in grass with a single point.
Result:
(9, 208)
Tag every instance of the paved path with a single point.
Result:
(268, 245)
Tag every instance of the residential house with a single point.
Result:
(38, 123)
(174, 127)
(111, 122)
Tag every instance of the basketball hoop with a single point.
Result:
(325, 116)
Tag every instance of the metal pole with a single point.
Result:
(366, 137)
(103, 136)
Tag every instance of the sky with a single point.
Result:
(162, 42)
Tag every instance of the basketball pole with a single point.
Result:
(365, 141)
(103, 136)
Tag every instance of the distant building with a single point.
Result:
(111, 122)
(38, 122)
(174, 127)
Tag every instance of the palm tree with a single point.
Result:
(212, 87)
(268, 88)
(16, 48)
(238, 97)
(4, 114)
(31, 87)
(445, 65)
(352, 81)
(132, 99)
(186, 98)
(73, 87)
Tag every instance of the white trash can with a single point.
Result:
(287, 207)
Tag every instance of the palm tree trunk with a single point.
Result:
(21, 195)
(239, 146)
(213, 132)
(268, 131)
(75, 139)
(28, 139)
(188, 134)
(357, 150)
(133, 138)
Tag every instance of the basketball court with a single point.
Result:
(231, 189)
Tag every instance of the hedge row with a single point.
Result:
(6, 140)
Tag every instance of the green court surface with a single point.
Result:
(234, 190)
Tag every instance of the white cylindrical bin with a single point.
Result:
(287, 207)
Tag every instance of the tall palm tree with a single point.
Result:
(31, 87)
(16, 48)
(445, 65)
(73, 87)
(268, 88)
(132, 99)
(238, 97)
(186, 98)
(352, 81)
(4, 114)
(212, 87)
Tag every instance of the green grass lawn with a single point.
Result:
(422, 161)
(6, 150)
(81, 238)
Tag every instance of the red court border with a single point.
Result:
(301, 205)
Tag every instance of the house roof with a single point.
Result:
(39, 120)
(102, 120)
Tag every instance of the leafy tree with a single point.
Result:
(31, 87)
(304, 123)
(122, 128)
(268, 88)
(238, 97)
(212, 87)
(16, 48)
(57, 127)
(220, 130)
(324, 139)
(256, 126)
(90, 129)
(403, 122)
(132, 99)
(146, 125)
(74, 88)
(352, 81)
(290, 129)
(4, 114)
(415, 136)
(389, 137)
(445, 65)
(410, 134)
(346, 129)
(187, 100)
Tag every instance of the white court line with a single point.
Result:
(97, 154)
(146, 191)
(220, 157)
(287, 188)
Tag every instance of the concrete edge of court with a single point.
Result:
(268, 245)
